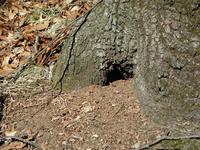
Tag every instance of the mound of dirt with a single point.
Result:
(94, 117)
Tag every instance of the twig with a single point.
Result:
(119, 109)
(16, 138)
(36, 46)
(164, 138)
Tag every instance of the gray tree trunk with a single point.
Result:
(164, 33)
(168, 70)
(101, 47)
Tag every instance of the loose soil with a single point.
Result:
(91, 118)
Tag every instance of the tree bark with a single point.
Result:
(101, 47)
(168, 70)
(164, 33)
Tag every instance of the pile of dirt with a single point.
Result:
(94, 117)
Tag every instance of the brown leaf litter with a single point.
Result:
(94, 117)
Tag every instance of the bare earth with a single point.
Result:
(91, 118)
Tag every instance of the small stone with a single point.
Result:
(69, 1)
(60, 134)
(17, 50)
(119, 141)
(64, 143)
(113, 105)
(87, 109)
(136, 146)
(72, 140)
(95, 135)
(75, 8)
(117, 92)
(158, 136)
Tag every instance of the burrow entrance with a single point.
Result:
(2, 104)
(116, 72)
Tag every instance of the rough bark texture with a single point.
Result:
(168, 70)
(101, 47)
(165, 34)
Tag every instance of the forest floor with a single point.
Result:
(91, 118)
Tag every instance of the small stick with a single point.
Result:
(168, 138)
(36, 46)
(7, 138)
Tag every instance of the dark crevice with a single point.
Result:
(116, 72)
(2, 105)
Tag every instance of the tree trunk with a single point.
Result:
(165, 33)
(101, 47)
(168, 70)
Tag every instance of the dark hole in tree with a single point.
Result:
(2, 105)
(116, 72)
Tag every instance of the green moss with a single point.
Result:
(50, 12)
(181, 144)
(198, 51)
(35, 17)
(44, 13)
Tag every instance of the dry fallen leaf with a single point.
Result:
(11, 14)
(14, 146)
(10, 133)
(37, 27)
(9, 63)
(3, 38)
(17, 32)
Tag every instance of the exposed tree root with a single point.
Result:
(164, 138)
